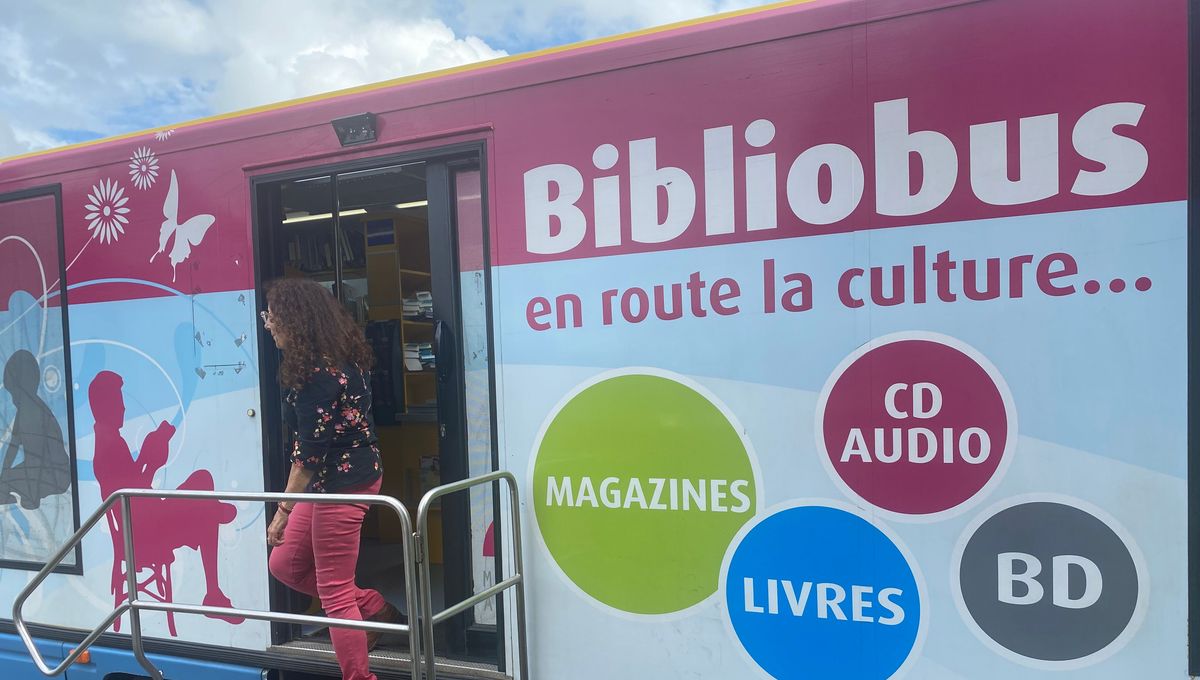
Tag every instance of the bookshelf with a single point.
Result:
(310, 249)
(395, 289)
(398, 285)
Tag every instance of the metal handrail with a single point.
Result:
(516, 581)
(134, 606)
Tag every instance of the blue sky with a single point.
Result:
(71, 72)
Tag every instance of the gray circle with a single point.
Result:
(52, 379)
(1010, 560)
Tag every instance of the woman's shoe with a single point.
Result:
(388, 614)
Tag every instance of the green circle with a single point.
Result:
(663, 552)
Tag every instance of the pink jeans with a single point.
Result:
(318, 557)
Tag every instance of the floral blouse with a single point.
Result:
(332, 429)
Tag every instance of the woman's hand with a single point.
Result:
(275, 530)
(298, 480)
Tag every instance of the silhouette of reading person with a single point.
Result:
(46, 469)
(160, 525)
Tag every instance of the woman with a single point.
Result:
(325, 371)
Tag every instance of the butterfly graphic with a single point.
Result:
(188, 234)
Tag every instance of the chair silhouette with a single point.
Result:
(156, 586)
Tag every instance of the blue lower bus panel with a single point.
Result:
(15, 664)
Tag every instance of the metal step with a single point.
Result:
(396, 659)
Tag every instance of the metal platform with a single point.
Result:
(423, 662)
(396, 659)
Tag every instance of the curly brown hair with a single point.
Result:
(320, 332)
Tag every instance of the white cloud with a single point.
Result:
(80, 70)
(8, 140)
(321, 48)
(71, 71)
(530, 22)
(15, 139)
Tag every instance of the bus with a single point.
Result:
(829, 339)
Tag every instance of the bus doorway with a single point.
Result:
(400, 244)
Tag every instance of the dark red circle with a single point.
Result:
(1143, 284)
(970, 398)
(1092, 287)
(1117, 285)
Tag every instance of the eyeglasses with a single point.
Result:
(265, 316)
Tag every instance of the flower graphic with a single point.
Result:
(164, 135)
(106, 211)
(143, 168)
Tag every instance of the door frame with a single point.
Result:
(462, 634)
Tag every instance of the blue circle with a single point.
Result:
(819, 562)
